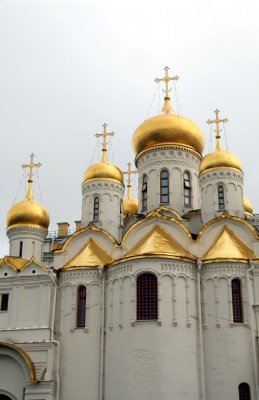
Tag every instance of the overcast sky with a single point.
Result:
(68, 66)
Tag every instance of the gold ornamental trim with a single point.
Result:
(30, 226)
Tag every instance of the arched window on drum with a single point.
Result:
(96, 210)
(144, 192)
(147, 302)
(164, 187)
(81, 307)
(237, 301)
(221, 198)
(187, 189)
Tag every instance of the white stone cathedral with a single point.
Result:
(149, 299)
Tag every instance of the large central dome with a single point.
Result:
(168, 128)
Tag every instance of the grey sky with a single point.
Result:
(67, 67)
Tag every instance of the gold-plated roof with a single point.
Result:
(18, 264)
(91, 255)
(28, 211)
(228, 247)
(168, 128)
(159, 243)
(248, 208)
(219, 158)
(103, 169)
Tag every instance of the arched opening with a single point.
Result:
(96, 210)
(144, 192)
(164, 187)
(81, 307)
(221, 198)
(147, 304)
(237, 301)
(244, 391)
(187, 188)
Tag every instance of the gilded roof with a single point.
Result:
(89, 256)
(228, 247)
(159, 243)
(18, 264)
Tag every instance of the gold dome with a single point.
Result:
(248, 208)
(103, 170)
(130, 206)
(28, 212)
(220, 159)
(168, 128)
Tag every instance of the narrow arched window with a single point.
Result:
(221, 199)
(81, 307)
(237, 301)
(96, 208)
(144, 192)
(147, 307)
(187, 188)
(244, 391)
(164, 186)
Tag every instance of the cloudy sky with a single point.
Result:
(68, 66)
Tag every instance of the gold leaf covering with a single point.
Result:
(159, 243)
(89, 256)
(19, 264)
(228, 247)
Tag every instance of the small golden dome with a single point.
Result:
(103, 170)
(248, 208)
(28, 212)
(220, 159)
(130, 206)
(168, 128)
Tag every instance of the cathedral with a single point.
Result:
(149, 298)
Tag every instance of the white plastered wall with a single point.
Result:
(32, 239)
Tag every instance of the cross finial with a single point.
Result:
(31, 165)
(105, 134)
(217, 130)
(129, 172)
(167, 79)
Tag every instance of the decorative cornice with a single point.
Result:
(168, 146)
(27, 226)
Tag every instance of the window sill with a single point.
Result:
(146, 321)
(232, 324)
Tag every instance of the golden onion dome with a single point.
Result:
(248, 208)
(130, 206)
(28, 212)
(168, 128)
(220, 159)
(103, 170)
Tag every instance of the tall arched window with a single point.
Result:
(187, 188)
(81, 307)
(96, 209)
(221, 199)
(164, 186)
(244, 391)
(237, 301)
(144, 192)
(147, 307)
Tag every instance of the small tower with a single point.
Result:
(168, 149)
(102, 191)
(130, 205)
(27, 222)
(221, 180)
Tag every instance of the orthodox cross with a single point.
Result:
(217, 122)
(129, 172)
(31, 165)
(166, 79)
(105, 134)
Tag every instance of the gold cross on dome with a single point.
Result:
(105, 134)
(217, 122)
(167, 79)
(31, 165)
(129, 172)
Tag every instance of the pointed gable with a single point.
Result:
(16, 263)
(159, 243)
(89, 256)
(228, 247)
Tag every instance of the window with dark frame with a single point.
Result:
(147, 304)
(96, 208)
(244, 391)
(4, 302)
(164, 186)
(81, 307)
(144, 192)
(237, 301)
(20, 249)
(221, 199)
(187, 188)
